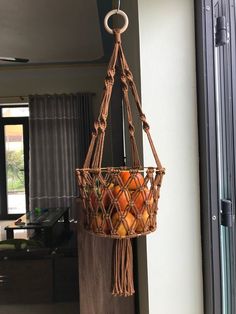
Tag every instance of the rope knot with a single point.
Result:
(116, 32)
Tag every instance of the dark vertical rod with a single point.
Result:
(210, 215)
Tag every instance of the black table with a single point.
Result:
(44, 221)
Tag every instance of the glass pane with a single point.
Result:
(14, 147)
(224, 134)
(15, 112)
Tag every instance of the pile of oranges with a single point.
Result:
(124, 207)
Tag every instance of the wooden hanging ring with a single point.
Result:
(112, 12)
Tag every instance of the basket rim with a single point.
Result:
(114, 236)
(122, 168)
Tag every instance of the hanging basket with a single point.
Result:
(119, 203)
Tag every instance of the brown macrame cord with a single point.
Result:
(94, 180)
(101, 123)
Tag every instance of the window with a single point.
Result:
(14, 155)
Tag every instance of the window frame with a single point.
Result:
(210, 220)
(3, 189)
(210, 197)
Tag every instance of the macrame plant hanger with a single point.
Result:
(119, 203)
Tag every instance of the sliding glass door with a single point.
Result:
(224, 53)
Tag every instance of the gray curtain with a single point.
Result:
(59, 130)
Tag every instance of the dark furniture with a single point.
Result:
(40, 275)
(43, 222)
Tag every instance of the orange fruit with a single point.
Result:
(135, 182)
(104, 197)
(98, 222)
(140, 227)
(123, 197)
(121, 230)
(141, 198)
(94, 200)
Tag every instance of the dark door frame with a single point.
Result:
(210, 198)
(210, 219)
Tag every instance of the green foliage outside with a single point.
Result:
(15, 173)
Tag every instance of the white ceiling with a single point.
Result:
(46, 31)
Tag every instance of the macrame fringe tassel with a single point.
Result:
(123, 268)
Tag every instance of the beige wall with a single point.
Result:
(52, 79)
(167, 54)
